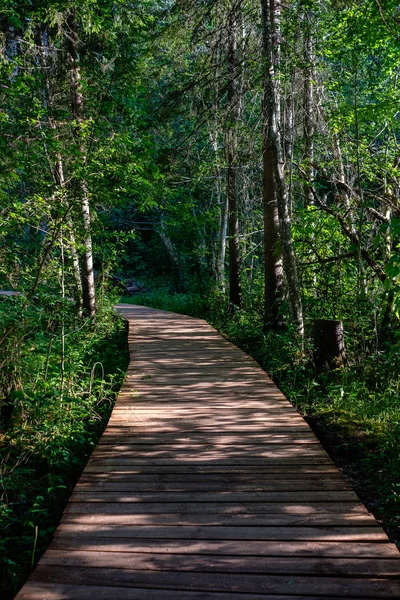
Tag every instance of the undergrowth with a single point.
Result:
(354, 410)
(60, 376)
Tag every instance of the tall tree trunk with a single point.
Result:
(221, 251)
(60, 179)
(57, 166)
(290, 127)
(308, 104)
(164, 235)
(235, 288)
(272, 254)
(222, 202)
(271, 12)
(272, 258)
(344, 190)
(88, 287)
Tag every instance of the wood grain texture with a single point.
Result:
(208, 485)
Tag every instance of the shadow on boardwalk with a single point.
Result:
(207, 484)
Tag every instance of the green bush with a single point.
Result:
(50, 421)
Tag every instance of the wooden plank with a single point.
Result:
(210, 403)
(219, 376)
(197, 395)
(344, 534)
(232, 520)
(211, 451)
(229, 548)
(228, 478)
(206, 460)
(177, 365)
(191, 368)
(199, 428)
(234, 416)
(213, 508)
(234, 388)
(197, 439)
(41, 591)
(154, 403)
(179, 425)
(144, 413)
(88, 486)
(207, 468)
(234, 583)
(214, 497)
(364, 567)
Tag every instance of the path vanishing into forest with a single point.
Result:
(207, 484)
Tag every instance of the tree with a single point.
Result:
(88, 288)
(271, 22)
(232, 113)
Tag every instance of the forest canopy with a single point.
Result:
(237, 160)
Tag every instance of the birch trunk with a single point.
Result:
(271, 12)
(223, 231)
(272, 258)
(222, 202)
(235, 288)
(60, 179)
(308, 105)
(88, 287)
(57, 169)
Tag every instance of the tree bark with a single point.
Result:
(272, 256)
(57, 168)
(60, 179)
(308, 104)
(88, 287)
(221, 251)
(328, 338)
(272, 253)
(163, 233)
(235, 288)
(271, 12)
(222, 202)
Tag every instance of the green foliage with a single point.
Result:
(51, 420)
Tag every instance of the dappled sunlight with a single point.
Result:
(209, 479)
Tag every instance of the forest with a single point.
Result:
(234, 160)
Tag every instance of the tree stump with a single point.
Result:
(329, 350)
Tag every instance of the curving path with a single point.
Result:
(208, 485)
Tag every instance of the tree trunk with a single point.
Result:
(88, 287)
(272, 254)
(221, 251)
(57, 170)
(308, 105)
(328, 338)
(235, 288)
(272, 257)
(222, 202)
(163, 233)
(59, 176)
(344, 189)
(271, 43)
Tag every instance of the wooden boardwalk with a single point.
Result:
(208, 485)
